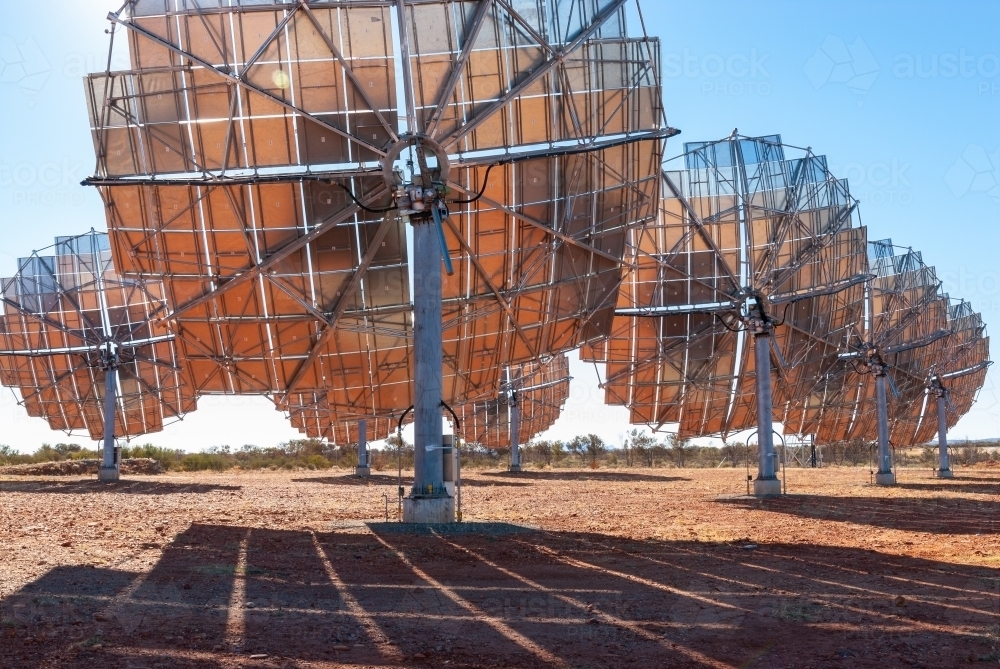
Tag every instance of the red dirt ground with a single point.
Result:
(619, 568)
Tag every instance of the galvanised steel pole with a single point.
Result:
(363, 468)
(109, 470)
(515, 429)
(427, 343)
(767, 482)
(884, 476)
(944, 462)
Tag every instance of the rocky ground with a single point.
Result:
(607, 568)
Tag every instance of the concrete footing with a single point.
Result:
(514, 468)
(766, 487)
(944, 473)
(429, 509)
(364, 472)
(887, 478)
(108, 475)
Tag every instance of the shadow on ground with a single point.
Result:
(596, 475)
(392, 480)
(970, 485)
(374, 597)
(937, 515)
(122, 487)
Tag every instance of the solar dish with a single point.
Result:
(242, 176)
(80, 340)
(265, 157)
(756, 260)
(892, 351)
(957, 376)
(310, 414)
(531, 398)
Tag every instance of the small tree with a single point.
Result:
(558, 450)
(678, 449)
(591, 445)
(641, 445)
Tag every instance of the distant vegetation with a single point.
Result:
(637, 449)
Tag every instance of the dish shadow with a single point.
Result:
(956, 485)
(390, 480)
(611, 477)
(372, 596)
(937, 515)
(123, 487)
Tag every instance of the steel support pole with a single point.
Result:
(944, 462)
(428, 501)
(884, 476)
(109, 470)
(515, 429)
(363, 468)
(767, 482)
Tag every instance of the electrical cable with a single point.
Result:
(357, 202)
(486, 180)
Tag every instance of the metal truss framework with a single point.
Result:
(67, 314)
(310, 414)
(239, 160)
(903, 337)
(749, 225)
(539, 393)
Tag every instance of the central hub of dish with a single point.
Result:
(416, 169)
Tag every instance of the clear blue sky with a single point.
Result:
(903, 97)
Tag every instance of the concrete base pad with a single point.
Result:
(514, 468)
(766, 487)
(436, 509)
(885, 479)
(108, 475)
(944, 473)
(363, 471)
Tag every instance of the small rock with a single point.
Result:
(100, 617)
(748, 547)
(259, 656)
(66, 544)
(901, 601)
(341, 647)
(187, 586)
(418, 656)
(250, 605)
(593, 621)
(97, 646)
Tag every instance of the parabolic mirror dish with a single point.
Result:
(249, 154)
(538, 390)
(66, 313)
(310, 414)
(910, 332)
(751, 233)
